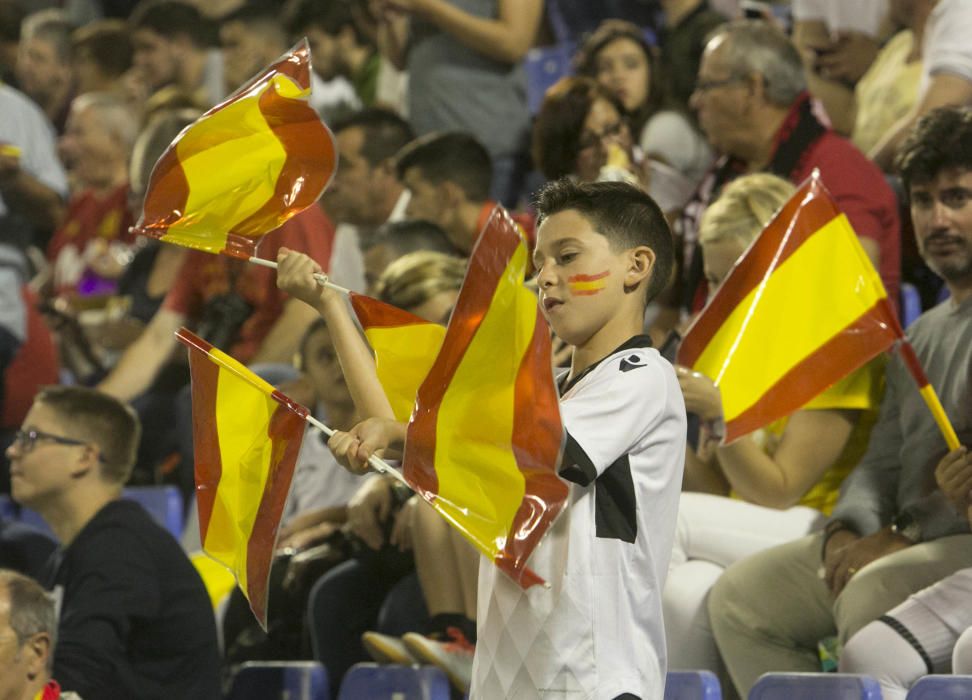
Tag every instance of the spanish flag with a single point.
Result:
(485, 435)
(404, 346)
(245, 167)
(802, 308)
(246, 437)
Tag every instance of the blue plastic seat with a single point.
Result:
(374, 682)
(692, 685)
(910, 304)
(815, 686)
(544, 66)
(163, 503)
(273, 680)
(941, 688)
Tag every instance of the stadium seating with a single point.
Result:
(692, 685)
(942, 688)
(368, 681)
(815, 686)
(269, 680)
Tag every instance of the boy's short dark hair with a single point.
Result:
(386, 132)
(624, 214)
(262, 19)
(941, 140)
(96, 417)
(411, 236)
(171, 18)
(452, 156)
(107, 42)
(329, 17)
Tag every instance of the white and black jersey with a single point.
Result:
(596, 631)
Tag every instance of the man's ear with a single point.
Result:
(38, 651)
(641, 263)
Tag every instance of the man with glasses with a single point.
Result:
(753, 106)
(135, 619)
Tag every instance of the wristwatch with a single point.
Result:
(904, 524)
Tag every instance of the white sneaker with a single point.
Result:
(454, 656)
(386, 649)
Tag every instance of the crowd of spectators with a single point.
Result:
(442, 109)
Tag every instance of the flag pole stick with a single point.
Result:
(927, 392)
(319, 276)
(377, 462)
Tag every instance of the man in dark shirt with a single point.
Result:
(135, 619)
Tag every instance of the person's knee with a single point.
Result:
(962, 654)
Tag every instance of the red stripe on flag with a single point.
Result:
(536, 447)
(372, 313)
(471, 308)
(205, 435)
(854, 346)
(166, 195)
(285, 432)
(805, 213)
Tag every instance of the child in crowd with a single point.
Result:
(625, 425)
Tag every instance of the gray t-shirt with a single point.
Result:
(897, 472)
(453, 87)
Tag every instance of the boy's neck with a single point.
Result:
(614, 333)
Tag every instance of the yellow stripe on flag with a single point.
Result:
(235, 139)
(498, 492)
(242, 415)
(403, 357)
(779, 324)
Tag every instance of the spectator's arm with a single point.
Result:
(284, 336)
(811, 444)
(869, 494)
(138, 367)
(944, 90)
(295, 275)
(41, 205)
(506, 38)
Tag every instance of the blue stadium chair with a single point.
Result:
(544, 66)
(163, 503)
(692, 685)
(910, 304)
(280, 680)
(941, 688)
(374, 682)
(815, 686)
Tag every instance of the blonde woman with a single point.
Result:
(765, 488)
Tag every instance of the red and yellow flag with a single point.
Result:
(485, 435)
(246, 437)
(405, 347)
(802, 308)
(245, 167)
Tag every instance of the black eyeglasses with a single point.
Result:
(26, 440)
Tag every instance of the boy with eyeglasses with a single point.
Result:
(135, 619)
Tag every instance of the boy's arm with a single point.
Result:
(295, 275)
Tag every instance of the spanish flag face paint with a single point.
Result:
(587, 285)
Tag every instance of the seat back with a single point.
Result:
(941, 688)
(163, 503)
(910, 304)
(280, 680)
(815, 686)
(374, 682)
(692, 685)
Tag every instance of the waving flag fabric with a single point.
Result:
(246, 439)
(802, 308)
(485, 435)
(405, 347)
(245, 167)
